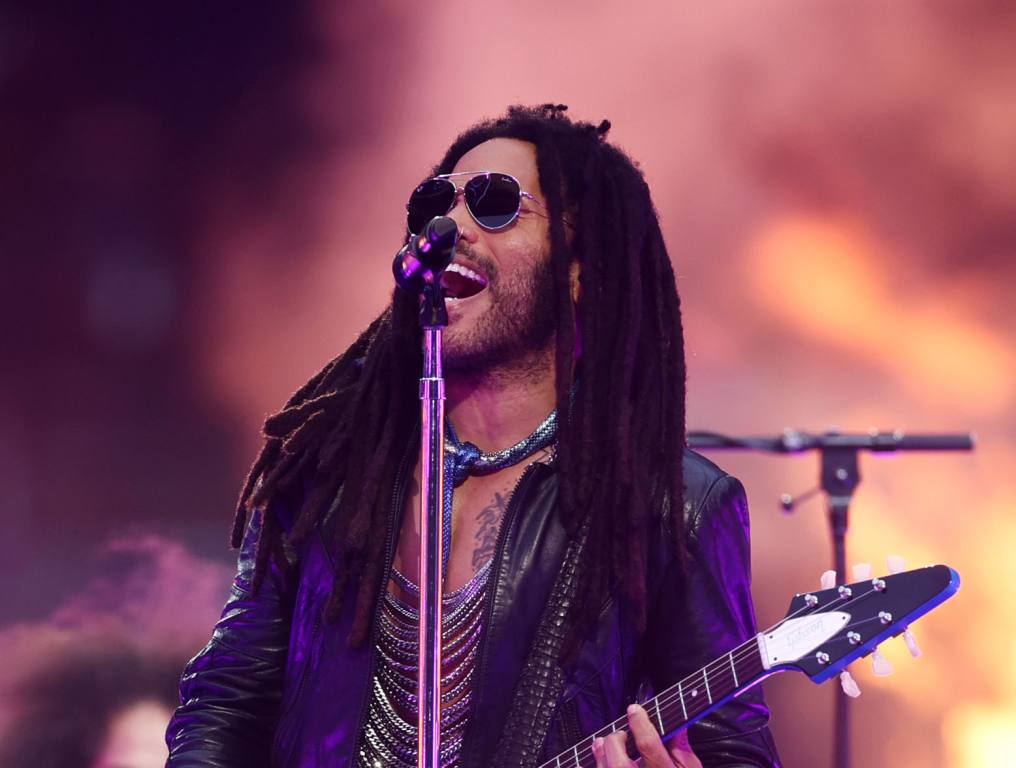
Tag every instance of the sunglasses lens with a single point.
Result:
(493, 199)
(432, 198)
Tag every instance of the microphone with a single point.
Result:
(426, 256)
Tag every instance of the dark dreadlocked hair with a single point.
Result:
(621, 434)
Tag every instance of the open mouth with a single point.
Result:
(461, 282)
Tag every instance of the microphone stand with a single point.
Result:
(840, 477)
(417, 270)
(433, 319)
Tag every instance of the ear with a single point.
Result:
(574, 271)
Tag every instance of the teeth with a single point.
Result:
(465, 272)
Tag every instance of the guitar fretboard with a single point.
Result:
(680, 704)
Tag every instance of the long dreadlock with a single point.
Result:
(621, 432)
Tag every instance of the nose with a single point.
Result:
(459, 213)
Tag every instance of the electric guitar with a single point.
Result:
(821, 634)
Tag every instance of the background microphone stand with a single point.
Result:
(839, 478)
(418, 268)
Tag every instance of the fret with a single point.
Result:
(733, 669)
(659, 717)
(575, 749)
(705, 680)
(680, 694)
(557, 762)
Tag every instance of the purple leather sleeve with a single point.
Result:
(698, 615)
(230, 691)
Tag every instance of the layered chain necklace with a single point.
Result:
(390, 737)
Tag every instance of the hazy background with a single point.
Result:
(198, 207)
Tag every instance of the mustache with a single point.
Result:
(488, 266)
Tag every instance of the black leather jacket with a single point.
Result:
(277, 685)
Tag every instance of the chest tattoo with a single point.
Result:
(488, 520)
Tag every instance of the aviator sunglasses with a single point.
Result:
(492, 199)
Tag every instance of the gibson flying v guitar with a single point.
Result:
(821, 634)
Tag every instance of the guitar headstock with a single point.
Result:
(826, 630)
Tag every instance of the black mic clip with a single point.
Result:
(422, 260)
(418, 267)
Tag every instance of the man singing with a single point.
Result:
(594, 560)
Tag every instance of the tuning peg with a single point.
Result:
(828, 580)
(895, 563)
(849, 685)
(911, 641)
(880, 665)
(862, 571)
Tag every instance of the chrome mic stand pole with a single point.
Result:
(417, 269)
(433, 318)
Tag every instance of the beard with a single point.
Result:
(518, 325)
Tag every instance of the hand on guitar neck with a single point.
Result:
(611, 751)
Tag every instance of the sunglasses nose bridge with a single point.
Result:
(461, 213)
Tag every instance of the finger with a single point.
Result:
(680, 751)
(598, 753)
(613, 748)
(647, 739)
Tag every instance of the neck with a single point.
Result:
(494, 409)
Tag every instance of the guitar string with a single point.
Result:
(744, 651)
